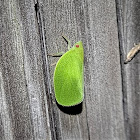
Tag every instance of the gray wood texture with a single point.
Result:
(30, 30)
(24, 108)
(129, 25)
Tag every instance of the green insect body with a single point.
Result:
(68, 77)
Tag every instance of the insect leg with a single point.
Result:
(69, 43)
(56, 54)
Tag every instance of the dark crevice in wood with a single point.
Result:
(36, 8)
(123, 74)
(46, 71)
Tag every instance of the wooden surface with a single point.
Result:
(129, 26)
(29, 30)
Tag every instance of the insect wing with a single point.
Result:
(68, 77)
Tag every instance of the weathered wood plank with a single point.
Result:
(56, 16)
(93, 22)
(23, 110)
(129, 25)
(103, 73)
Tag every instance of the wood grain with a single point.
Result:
(103, 80)
(29, 31)
(129, 14)
(96, 25)
(24, 112)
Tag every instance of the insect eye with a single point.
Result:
(77, 46)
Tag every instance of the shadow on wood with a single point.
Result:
(72, 110)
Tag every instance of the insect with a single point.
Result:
(68, 75)
(132, 52)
